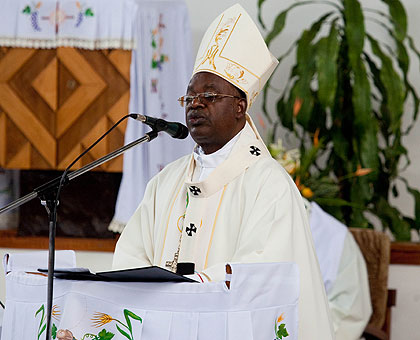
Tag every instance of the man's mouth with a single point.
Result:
(195, 119)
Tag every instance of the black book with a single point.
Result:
(145, 274)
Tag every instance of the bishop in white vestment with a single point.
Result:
(229, 201)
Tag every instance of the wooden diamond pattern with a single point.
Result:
(55, 103)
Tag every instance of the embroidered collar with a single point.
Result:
(205, 164)
(247, 150)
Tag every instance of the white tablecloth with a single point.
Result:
(261, 304)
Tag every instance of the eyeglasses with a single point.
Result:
(204, 98)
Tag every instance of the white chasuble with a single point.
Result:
(194, 216)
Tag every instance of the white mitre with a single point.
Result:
(234, 49)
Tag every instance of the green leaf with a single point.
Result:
(260, 2)
(416, 196)
(361, 96)
(123, 333)
(27, 10)
(392, 219)
(337, 202)
(280, 22)
(354, 28)
(399, 17)
(104, 335)
(326, 61)
(368, 146)
(393, 85)
(285, 112)
(154, 43)
(358, 220)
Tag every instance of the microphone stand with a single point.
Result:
(48, 194)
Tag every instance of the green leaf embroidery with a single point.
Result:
(282, 331)
(104, 335)
(123, 333)
(54, 331)
(27, 10)
(89, 12)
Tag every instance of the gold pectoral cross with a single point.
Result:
(174, 263)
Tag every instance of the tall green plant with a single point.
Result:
(350, 89)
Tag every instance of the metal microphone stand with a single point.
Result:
(48, 193)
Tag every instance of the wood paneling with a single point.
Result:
(8, 239)
(55, 103)
(405, 253)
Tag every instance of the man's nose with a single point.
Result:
(196, 102)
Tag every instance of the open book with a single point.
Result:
(144, 274)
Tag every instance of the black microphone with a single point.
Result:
(174, 129)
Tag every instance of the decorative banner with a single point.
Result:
(92, 24)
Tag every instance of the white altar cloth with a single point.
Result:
(260, 304)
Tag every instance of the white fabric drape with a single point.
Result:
(160, 72)
(344, 273)
(167, 311)
(90, 24)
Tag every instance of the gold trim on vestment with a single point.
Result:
(214, 225)
(167, 223)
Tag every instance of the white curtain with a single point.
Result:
(160, 70)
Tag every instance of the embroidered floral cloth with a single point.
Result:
(260, 305)
(90, 24)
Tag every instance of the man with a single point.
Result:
(229, 201)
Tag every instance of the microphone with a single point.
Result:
(174, 129)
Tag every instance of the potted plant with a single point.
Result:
(344, 100)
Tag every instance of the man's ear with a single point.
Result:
(241, 109)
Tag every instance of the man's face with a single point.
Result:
(212, 125)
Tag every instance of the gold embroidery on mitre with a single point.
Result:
(252, 97)
(211, 53)
(235, 73)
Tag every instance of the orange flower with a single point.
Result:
(297, 106)
(38, 5)
(78, 4)
(101, 319)
(316, 137)
(280, 318)
(362, 171)
(307, 192)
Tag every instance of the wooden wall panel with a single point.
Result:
(55, 103)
